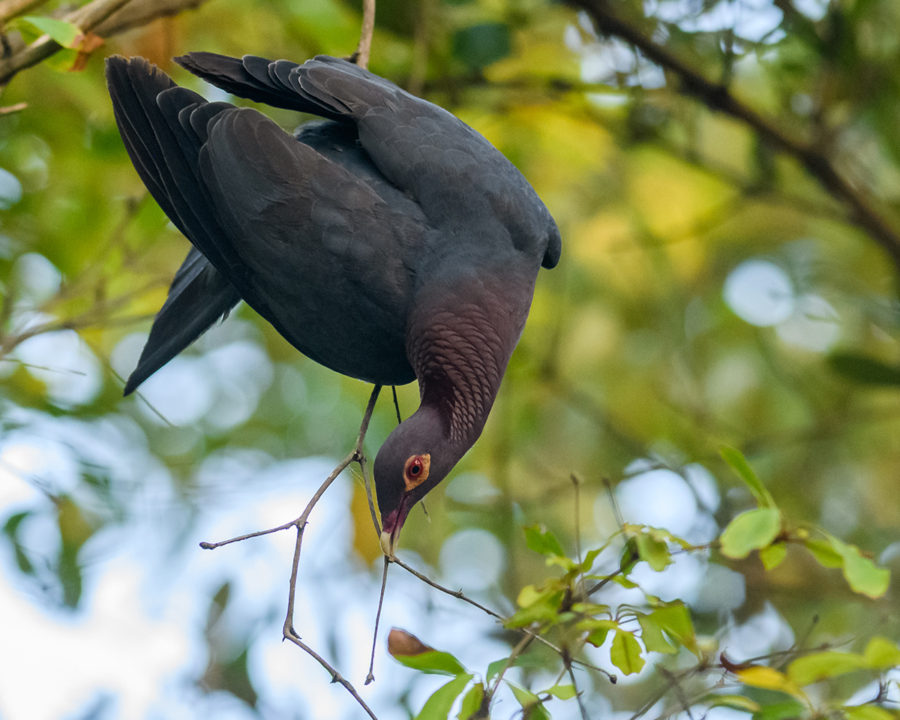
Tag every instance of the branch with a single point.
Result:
(10, 8)
(104, 17)
(717, 96)
(364, 49)
(355, 455)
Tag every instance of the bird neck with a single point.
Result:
(460, 339)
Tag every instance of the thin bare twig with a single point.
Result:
(459, 595)
(355, 455)
(364, 49)
(521, 647)
(717, 96)
(371, 676)
(336, 677)
(578, 698)
(10, 109)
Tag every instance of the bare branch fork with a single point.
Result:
(354, 456)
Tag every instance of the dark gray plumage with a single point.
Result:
(388, 243)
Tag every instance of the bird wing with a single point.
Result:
(320, 246)
(199, 295)
(457, 177)
(306, 242)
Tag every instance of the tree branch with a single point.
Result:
(364, 49)
(355, 455)
(718, 97)
(10, 8)
(103, 17)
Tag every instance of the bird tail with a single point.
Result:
(329, 87)
(163, 128)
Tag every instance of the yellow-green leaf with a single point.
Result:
(735, 458)
(653, 551)
(65, 33)
(563, 692)
(818, 666)
(867, 712)
(767, 678)
(625, 652)
(471, 702)
(735, 702)
(773, 555)
(882, 654)
(675, 619)
(652, 635)
(543, 541)
(531, 704)
(861, 573)
(824, 554)
(750, 531)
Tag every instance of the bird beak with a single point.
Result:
(387, 543)
(392, 524)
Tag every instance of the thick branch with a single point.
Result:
(718, 97)
(361, 56)
(10, 8)
(104, 17)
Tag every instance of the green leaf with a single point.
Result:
(437, 707)
(537, 605)
(768, 678)
(408, 650)
(482, 44)
(675, 619)
(773, 555)
(532, 707)
(867, 712)
(863, 369)
(749, 531)
(597, 637)
(65, 33)
(824, 553)
(821, 665)
(630, 556)
(588, 563)
(433, 662)
(863, 576)
(495, 667)
(735, 458)
(787, 710)
(563, 692)
(735, 702)
(625, 652)
(653, 551)
(882, 654)
(11, 530)
(471, 703)
(652, 635)
(597, 629)
(543, 541)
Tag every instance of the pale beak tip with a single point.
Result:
(387, 544)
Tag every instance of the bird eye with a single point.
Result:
(415, 471)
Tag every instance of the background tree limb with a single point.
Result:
(718, 96)
(103, 17)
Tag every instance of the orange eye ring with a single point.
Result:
(415, 471)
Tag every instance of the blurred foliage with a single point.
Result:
(711, 293)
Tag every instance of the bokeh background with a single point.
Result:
(712, 291)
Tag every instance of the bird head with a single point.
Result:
(416, 456)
